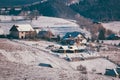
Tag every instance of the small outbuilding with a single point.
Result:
(113, 37)
(45, 34)
(67, 49)
(22, 31)
(113, 72)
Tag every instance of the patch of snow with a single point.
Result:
(34, 55)
(1, 31)
(100, 65)
(114, 26)
(10, 18)
(24, 27)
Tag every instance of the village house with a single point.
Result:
(22, 31)
(72, 38)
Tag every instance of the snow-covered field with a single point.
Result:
(114, 26)
(56, 25)
(9, 18)
(19, 60)
(30, 55)
(99, 65)
(90, 64)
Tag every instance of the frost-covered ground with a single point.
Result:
(19, 61)
(22, 53)
(15, 71)
(99, 65)
(90, 64)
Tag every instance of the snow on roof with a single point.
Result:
(64, 47)
(69, 47)
(24, 27)
(72, 34)
(73, 47)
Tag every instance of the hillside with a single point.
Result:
(54, 8)
(20, 59)
(85, 12)
(113, 26)
(97, 10)
(100, 10)
(21, 62)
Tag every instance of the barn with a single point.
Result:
(22, 31)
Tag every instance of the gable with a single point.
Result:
(14, 28)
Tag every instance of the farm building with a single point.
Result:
(113, 37)
(45, 34)
(67, 49)
(37, 29)
(22, 31)
(113, 72)
(72, 38)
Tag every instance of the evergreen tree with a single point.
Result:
(101, 35)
